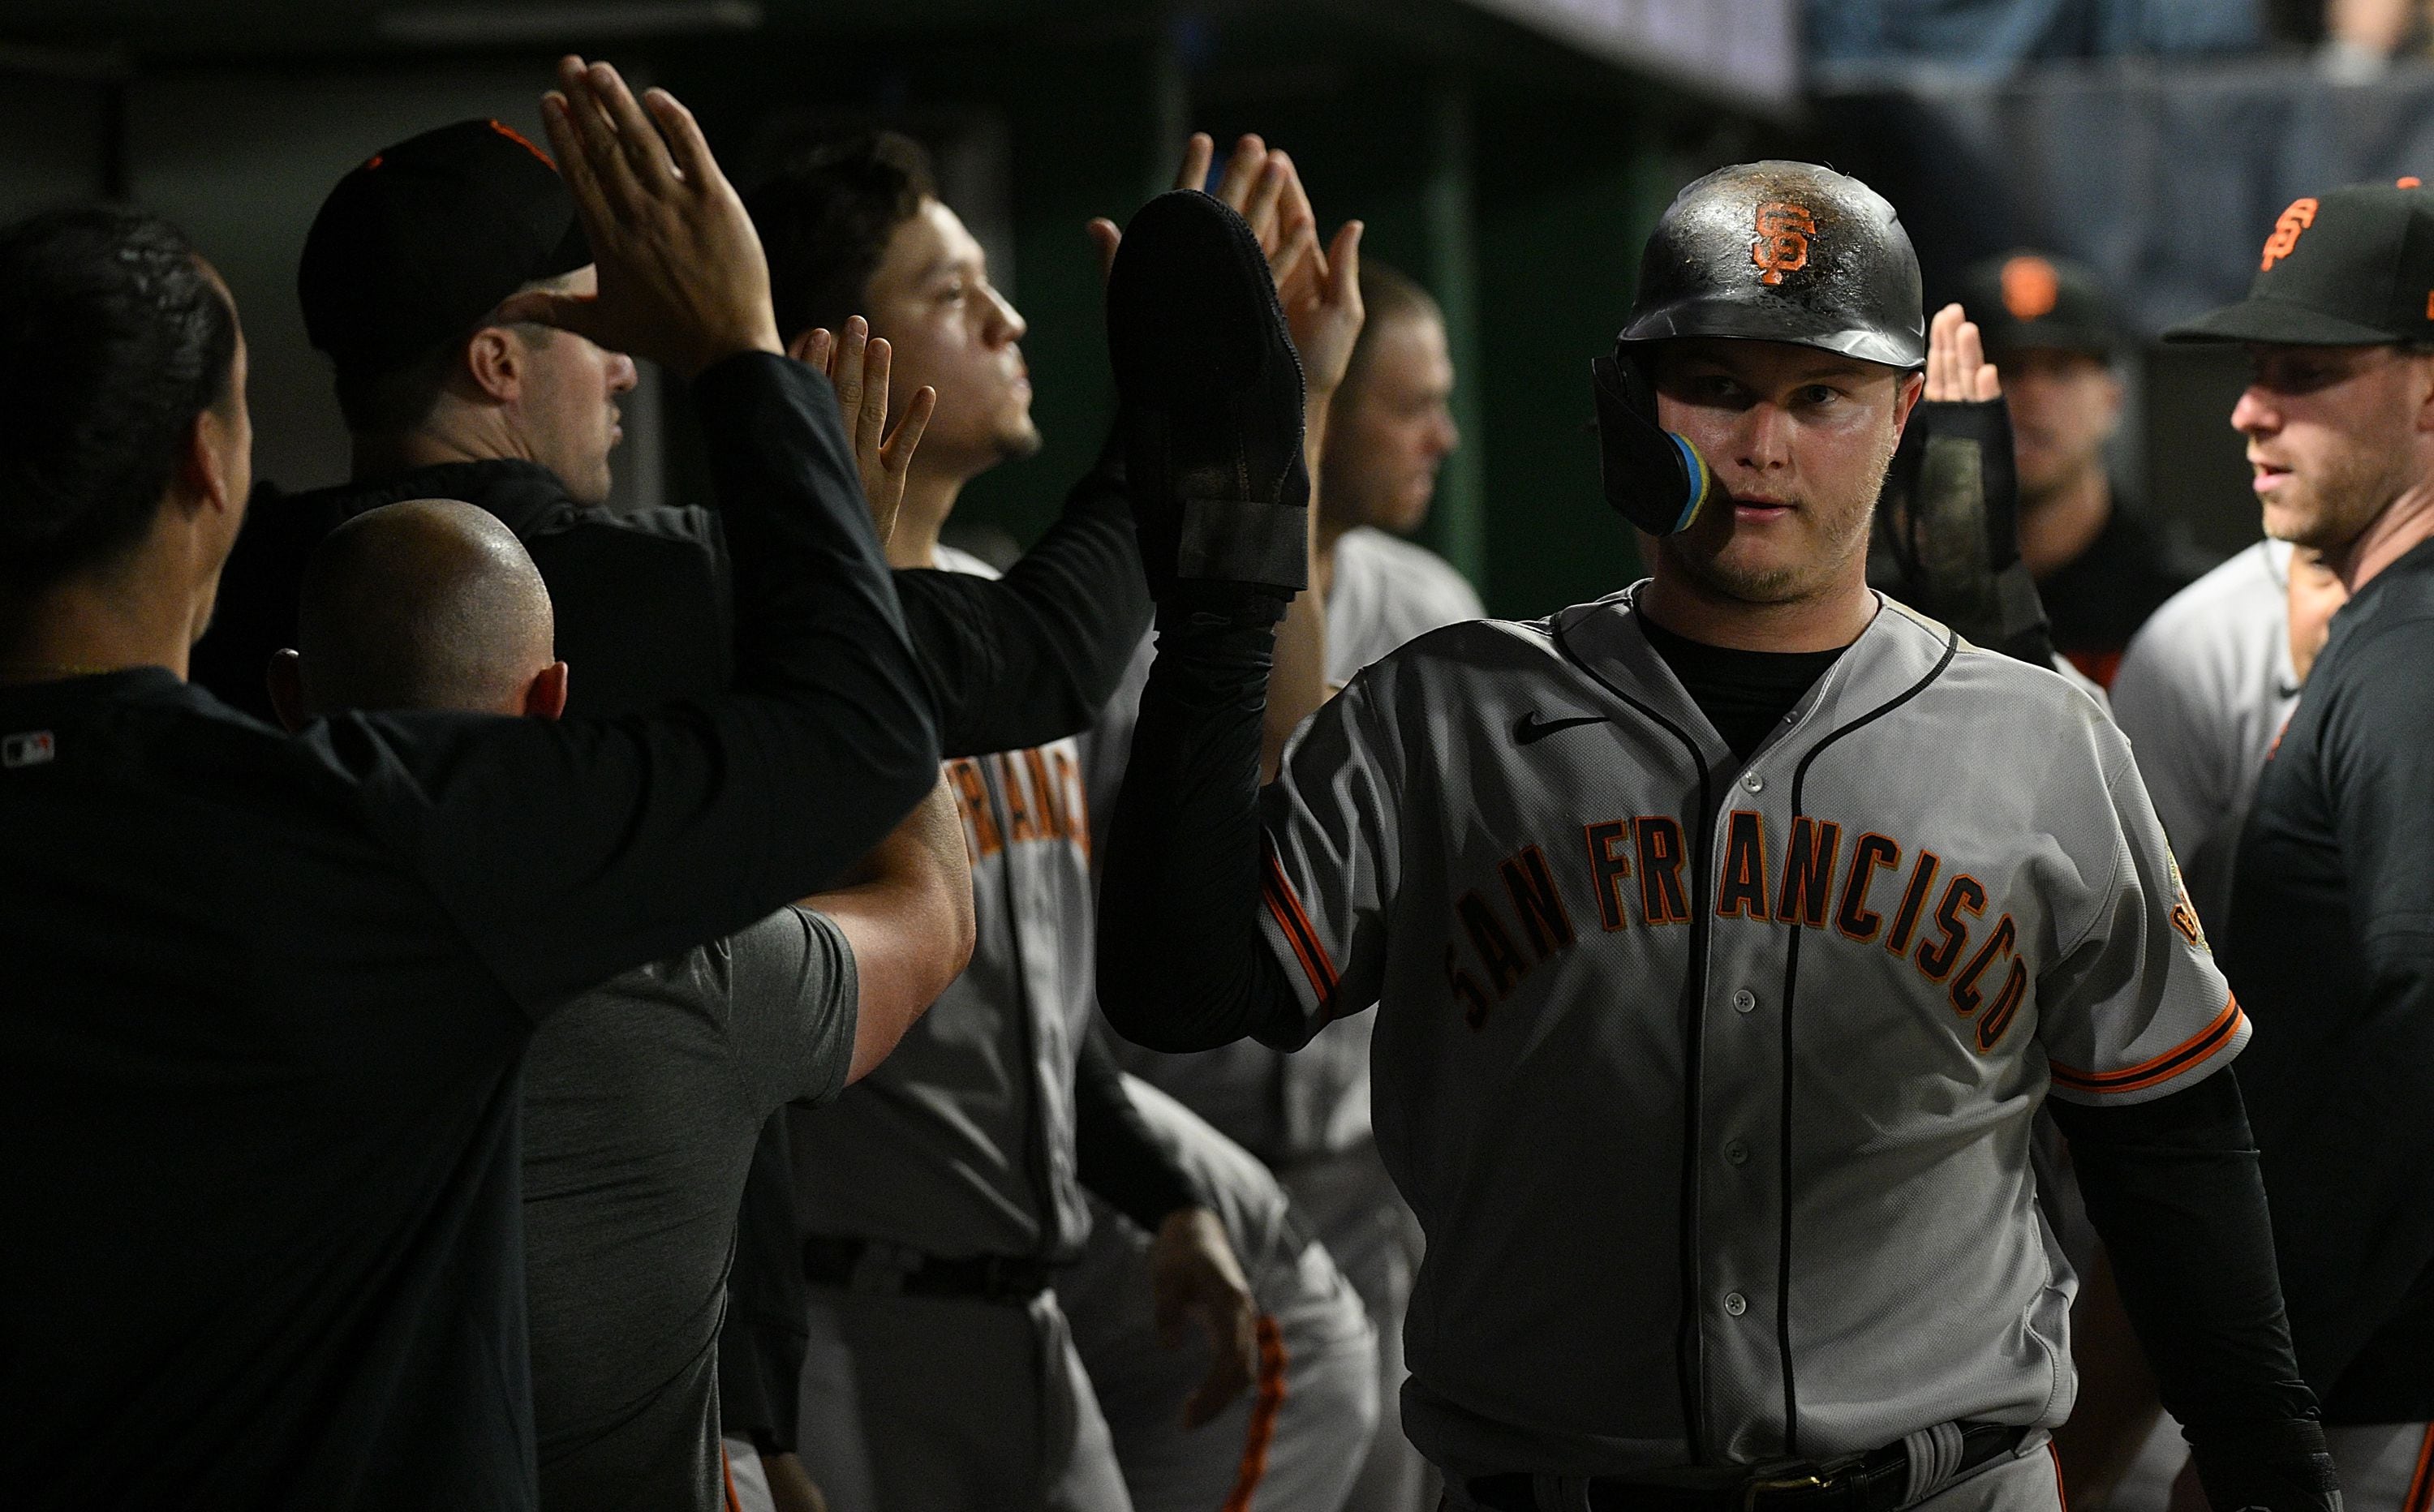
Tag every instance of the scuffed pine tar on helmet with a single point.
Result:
(1759, 252)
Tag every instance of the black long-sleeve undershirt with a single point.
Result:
(1183, 965)
(1034, 655)
(2173, 1187)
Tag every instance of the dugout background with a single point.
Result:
(1506, 152)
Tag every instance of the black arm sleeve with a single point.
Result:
(2172, 1186)
(568, 853)
(1121, 1158)
(1034, 657)
(1182, 963)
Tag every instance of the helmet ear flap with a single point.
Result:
(1653, 478)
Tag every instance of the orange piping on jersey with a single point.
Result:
(2195, 1050)
(1303, 939)
(2062, 1492)
(1265, 1407)
(727, 1473)
(2418, 1488)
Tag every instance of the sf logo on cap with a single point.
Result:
(2030, 287)
(2300, 215)
(1782, 245)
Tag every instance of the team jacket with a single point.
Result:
(1711, 1082)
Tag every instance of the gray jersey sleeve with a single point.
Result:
(2133, 1006)
(1333, 852)
(792, 1004)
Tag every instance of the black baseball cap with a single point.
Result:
(415, 247)
(2032, 302)
(2354, 267)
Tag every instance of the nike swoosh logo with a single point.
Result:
(1531, 727)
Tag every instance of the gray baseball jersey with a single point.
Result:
(1712, 1081)
(2203, 693)
(1294, 1441)
(961, 1142)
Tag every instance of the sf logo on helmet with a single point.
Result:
(2300, 215)
(1782, 245)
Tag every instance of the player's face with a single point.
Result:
(2335, 435)
(931, 297)
(2064, 406)
(1800, 438)
(1391, 427)
(566, 408)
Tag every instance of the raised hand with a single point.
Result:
(682, 279)
(858, 366)
(1957, 368)
(1320, 290)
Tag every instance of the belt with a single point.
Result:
(1876, 1481)
(876, 1267)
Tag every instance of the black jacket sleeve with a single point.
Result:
(1182, 965)
(569, 853)
(1119, 1156)
(2172, 1186)
(1034, 655)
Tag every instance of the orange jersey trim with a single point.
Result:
(1262, 1435)
(1287, 911)
(2415, 1500)
(2193, 1051)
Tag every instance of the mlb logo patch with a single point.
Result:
(28, 748)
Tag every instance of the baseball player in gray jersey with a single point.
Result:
(2206, 686)
(1725, 934)
(1294, 1443)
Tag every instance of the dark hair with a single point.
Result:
(1387, 295)
(825, 220)
(114, 338)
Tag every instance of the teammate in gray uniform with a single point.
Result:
(939, 1195)
(1725, 944)
(2205, 689)
(1294, 1443)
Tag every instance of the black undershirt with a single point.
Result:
(1744, 694)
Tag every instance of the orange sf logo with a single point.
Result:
(1782, 245)
(2300, 215)
(2029, 287)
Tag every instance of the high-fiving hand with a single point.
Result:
(858, 366)
(1320, 290)
(682, 279)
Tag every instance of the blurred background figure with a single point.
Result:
(1391, 429)
(2101, 568)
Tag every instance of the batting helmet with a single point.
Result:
(1758, 251)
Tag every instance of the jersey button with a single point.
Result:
(1736, 1152)
(1736, 1303)
(1753, 782)
(1745, 1000)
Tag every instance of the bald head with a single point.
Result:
(430, 604)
